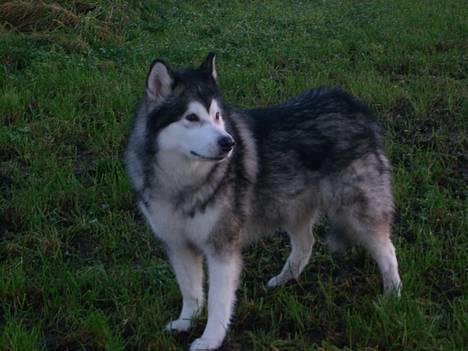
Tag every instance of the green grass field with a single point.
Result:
(79, 270)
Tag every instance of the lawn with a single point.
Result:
(80, 270)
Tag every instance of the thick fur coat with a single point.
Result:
(211, 178)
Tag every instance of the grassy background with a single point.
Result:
(80, 271)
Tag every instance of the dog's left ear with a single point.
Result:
(208, 66)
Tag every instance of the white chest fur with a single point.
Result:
(174, 227)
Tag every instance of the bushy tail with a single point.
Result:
(336, 239)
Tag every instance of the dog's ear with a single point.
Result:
(208, 66)
(159, 81)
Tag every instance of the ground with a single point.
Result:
(79, 269)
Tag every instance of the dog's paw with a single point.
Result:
(274, 282)
(205, 344)
(393, 289)
(179, 325)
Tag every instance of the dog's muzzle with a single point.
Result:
(226, 143)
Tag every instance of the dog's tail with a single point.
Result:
(336, 239)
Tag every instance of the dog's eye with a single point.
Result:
(218, 116)
(192, 117)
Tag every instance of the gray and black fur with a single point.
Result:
(320, 153)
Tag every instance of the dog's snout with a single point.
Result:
(226, 143)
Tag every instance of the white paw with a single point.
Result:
(392, 283)
(205, 344)
(179, 325)
(393, 290)
(274, 282)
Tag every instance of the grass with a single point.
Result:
(80, 271)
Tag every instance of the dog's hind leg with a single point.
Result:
(374, 236)
(188, 267)
(359, 200)
(381, 248)
(302, 241)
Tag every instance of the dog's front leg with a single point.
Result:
(188, 267)
(224, 277)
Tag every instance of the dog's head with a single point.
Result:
(186, 112)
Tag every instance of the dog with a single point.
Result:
(211, 178)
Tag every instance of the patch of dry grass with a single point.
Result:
(70, 24)
(29, 16)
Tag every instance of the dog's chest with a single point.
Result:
(174, 226)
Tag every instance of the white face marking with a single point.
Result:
(206, 116)
(196, 134)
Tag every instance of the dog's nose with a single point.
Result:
(226, 143)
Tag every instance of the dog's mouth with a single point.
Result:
(207, 158)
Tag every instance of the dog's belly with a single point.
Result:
(175, 227)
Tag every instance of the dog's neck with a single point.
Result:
(188, 183)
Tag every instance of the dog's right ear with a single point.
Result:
(159, 81)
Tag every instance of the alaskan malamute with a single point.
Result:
(211, 178)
